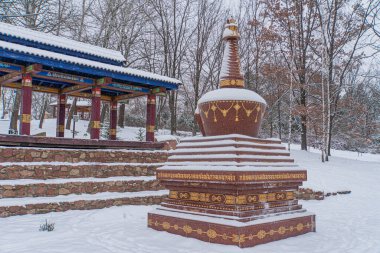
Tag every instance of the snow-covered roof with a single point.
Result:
(59, 42)
(231, 94)
(84, 62)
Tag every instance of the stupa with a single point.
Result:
(229, 186)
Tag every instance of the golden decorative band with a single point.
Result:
(232, 177)
(231, 82)
(150, 128)
(213, 233)
(61, 128)
(25, 118)
(151, 101)
(252, 207)
(190, 176)
(231, 199)
(250, 108)
(95, 124)
(96, 92)
(112, 132)
(27, 83)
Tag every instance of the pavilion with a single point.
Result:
(36, 61)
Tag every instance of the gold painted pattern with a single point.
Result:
(150, 128)
(231, 82)
(112, 131)
(25, 118)
(227, 208)
(61, 128)
(231, 177)
(231, 199)
(95, 124)
(190, 176)
(237, 238)
(215, 106)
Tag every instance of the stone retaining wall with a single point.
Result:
(49, 190)
(74, 156)
(78, 205)
(73, 171)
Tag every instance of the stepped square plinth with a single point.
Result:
(229, 186)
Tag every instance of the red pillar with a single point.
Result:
(113, 119)
(150, 117)
(61, 111)
(95, 113)
(26, 104)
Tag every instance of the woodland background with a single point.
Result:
(316, 62)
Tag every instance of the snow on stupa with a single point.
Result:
(230, 187)
(232, 108)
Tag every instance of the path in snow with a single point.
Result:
(345, 223)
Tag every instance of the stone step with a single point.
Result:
(25, 154)
(229, 150)
(229, 158)
(54, 187)
(46, 170)
(233, 137)
(39, 205)
(229, 143)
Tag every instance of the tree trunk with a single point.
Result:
(121, 115)
(43, 110)
(72, 110)
(104, 112)
(303, 120)
(173, 113)
(15, 111)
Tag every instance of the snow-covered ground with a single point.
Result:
(49, 126)
(345, 223)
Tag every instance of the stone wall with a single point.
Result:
(75, 156)
(78, 205)
(49, 190)
(74, 171)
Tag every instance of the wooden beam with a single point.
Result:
(63, 77)
(89, 96)
(76, 88)
(44, 89)
(32, 69)
(8, 67)
(12, 85)
(159, 91)
(128, 96)
(10, 78)
(127, 88)
(36, 88)
(104, 81)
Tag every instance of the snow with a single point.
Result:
(223, 137)
(60, 42)
(345, 223)
(232, 163)
(344, 154)
(229, 156)
(79, 103)
(224, 70)
(221, 219)
(209, 167)
(76, 197)
(166, 138)
(49, 126)
(75, 180)
(235, 94)
(180, 150)
(85, 62)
